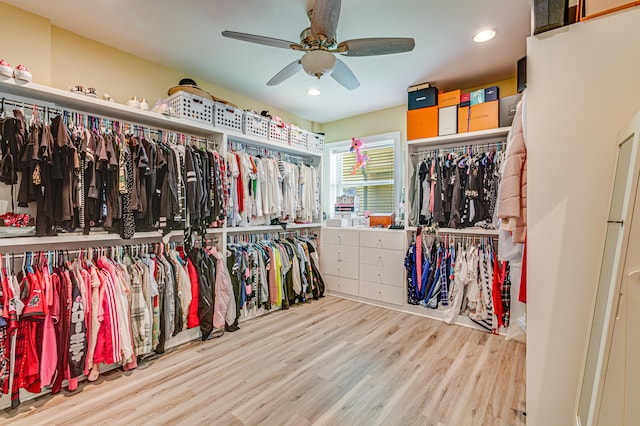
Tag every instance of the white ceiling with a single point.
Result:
(185, 35)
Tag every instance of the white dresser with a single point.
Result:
(364, 263)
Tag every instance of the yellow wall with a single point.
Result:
(373, 123)
(26, 39)
(59, 58)
(506, 87)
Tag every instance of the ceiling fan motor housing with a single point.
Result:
(318, 63)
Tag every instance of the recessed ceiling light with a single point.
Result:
(485, 35)
(313, 92)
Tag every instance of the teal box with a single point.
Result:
(477, 97)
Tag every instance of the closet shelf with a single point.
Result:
(271, 228)
(268, 144)
(460, 138)
(86, 104)
(77, 240)
(462, 231)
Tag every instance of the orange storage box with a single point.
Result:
(422, 123)
(478, 117)
(384, 220)
(448, 99)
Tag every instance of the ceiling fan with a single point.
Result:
(319, 44)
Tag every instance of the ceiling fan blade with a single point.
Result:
(251, 38)
(324, 18)
(285, 73)
(343, 75)
(376, 46)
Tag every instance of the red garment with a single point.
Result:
(192, 319)
(239, 186)
(35, 305)
(498, 278)
(419, 260)
(29, 370)
(62, 332)
(523, 277)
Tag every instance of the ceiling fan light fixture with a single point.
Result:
(318, 63)
(313, 92)
(485, 35)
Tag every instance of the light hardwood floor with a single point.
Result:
(330, 362)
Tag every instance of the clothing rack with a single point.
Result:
(142, 248)
(463, 149)
(265, 152)
(269, 236)
(80, 119)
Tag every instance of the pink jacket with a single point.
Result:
(512, 197)
(222, 290)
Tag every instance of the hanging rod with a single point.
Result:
(460, 148)
(76, 115)
(258, 151)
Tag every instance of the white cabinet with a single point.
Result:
(341, 269)
(393, 276)
(339, 253)
(382, 239)
(367, 263)
(381, 292)
(381, 257)
(341, 236)
(341, 285)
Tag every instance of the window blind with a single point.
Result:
(374, 185)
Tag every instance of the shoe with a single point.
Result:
(161, 107)
(144, 105)
(6, 70)
(77, 89)
(22, 73)
(91, 92)
(134, 102)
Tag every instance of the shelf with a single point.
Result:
(462, 231)
(236, 136)
(271, 228)
(215, 231)
(77, 240)
(86, 104)
(460, 138)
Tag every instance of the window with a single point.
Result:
(375, 184)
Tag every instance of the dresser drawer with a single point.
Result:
(341, 285)
(390, 240)
(345, 237)
(336, 252)
(381, 292)
(381, 257)
(341, 269)
(393, 276)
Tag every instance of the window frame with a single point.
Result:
(331, 172)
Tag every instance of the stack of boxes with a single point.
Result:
(432, 114)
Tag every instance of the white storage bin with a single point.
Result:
(228, 117)
(297, 137)
(256, 125)
(315, 142)
(277, 133)
(192, 107)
